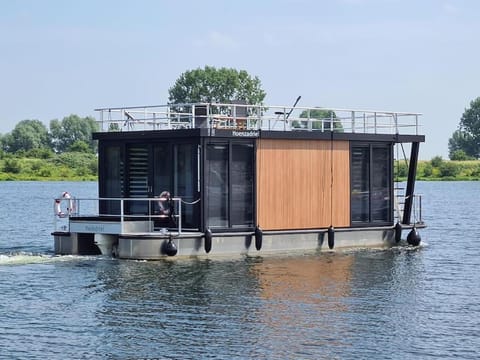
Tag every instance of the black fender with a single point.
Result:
(331, 237)
(258, 238)
(398, 232)
(169, 248)
(413, 237)
(208, 240)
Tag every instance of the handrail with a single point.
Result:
(416, 208)
(255, 117)
(89, 207)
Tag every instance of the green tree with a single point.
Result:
(436, 161)
(317, 117)
(449, 169)
(210, 85)
(27, 135)
(79, 146)
(12, 166)
(460, 155)
(467, 137)
(71, 129)
(400, 169)
(428, 170)
(461, 141)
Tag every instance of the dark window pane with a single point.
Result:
(381, 188)
(113, 182)
(360, 199)
(217, 185)
(185, 182)
(162, 168)
(371, 184)
(242, 184)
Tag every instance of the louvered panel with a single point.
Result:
(138, 160)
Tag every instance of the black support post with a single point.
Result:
(412, 173)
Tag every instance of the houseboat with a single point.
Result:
(221, 179)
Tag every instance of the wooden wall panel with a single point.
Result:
(294, 184)
(341, 183)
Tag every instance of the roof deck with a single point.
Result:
(243, 117)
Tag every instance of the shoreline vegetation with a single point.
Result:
(438, 169)
(82, 166)
(47, 166)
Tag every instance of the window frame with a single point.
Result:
(371, 173)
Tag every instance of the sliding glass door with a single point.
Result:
(371, 183)
(230, 185)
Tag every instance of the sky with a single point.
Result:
(69, 57)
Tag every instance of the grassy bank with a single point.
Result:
(73, 166)
(438, 169)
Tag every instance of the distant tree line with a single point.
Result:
(72, 134)
(65, 151)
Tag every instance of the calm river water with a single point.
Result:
(400, 303)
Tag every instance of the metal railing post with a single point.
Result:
(420, 208)
(101, 120)
(193, 115)
(121, 214)
(353, 121)
(179, 216)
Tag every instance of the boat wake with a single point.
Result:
(26, 258)
(22, 258)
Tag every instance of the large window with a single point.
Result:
(217, 185)
(242, 185)
(112, 172)
(141, 170)
(371, 179)
(162, 168)
(229, 185)
(185, 182)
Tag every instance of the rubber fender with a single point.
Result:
(414, 237)
(258, 238)
(169, 248)
(208, 240)
(331, 237)
(398, 232)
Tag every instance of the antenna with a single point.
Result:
(293, 107)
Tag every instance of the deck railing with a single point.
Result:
(416, 208)
(89, 208)
(256, 117)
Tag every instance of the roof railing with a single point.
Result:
(236, 116)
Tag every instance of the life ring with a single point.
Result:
(64, 197)
(165, 203)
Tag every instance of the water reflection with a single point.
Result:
(176, 308)
(398, 304)
(267, 307)
(310, 279)
(303, 301)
